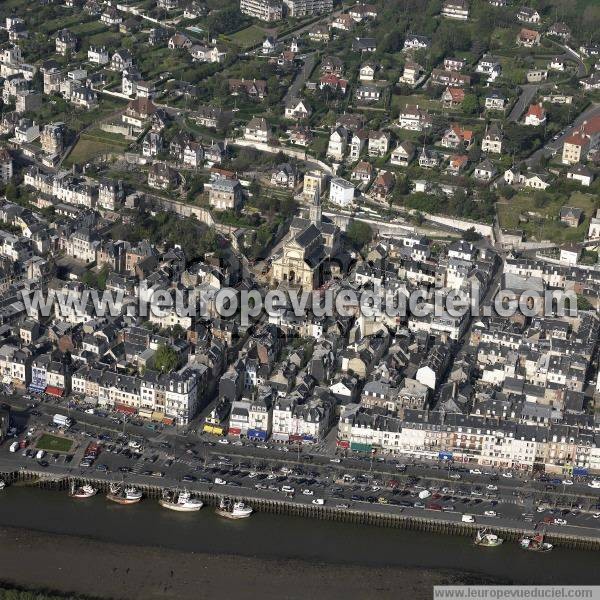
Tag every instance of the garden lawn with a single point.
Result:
(248, 37)
(53, 443)
(94, 144)
(544, 222)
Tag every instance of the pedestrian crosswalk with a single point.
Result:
(138, 467)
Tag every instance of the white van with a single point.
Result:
(134, 444)
(14, 446)
(468, 519)
(40, 454)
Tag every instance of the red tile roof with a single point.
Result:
(537, 110)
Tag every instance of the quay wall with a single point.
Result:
(397, 520)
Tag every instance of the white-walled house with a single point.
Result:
(98, 56)
(341, 192)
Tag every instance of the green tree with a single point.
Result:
(470, 105)
(102, 276)
(393, 42)
(89, 279)
(470, 235)
(541, 198)
(359, 234)
(583, 303)
(165, 359)
(254, 187)
(11, 192)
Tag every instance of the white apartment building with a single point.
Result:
(265, 10)
(305, 8)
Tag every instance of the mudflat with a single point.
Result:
(80, 566)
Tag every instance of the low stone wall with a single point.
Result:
(124, 130)
(462, 224)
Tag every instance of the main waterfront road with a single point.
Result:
(509, 516)
(169, 444)
(371, 492)
(196, 461)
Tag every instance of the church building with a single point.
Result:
(308, 248)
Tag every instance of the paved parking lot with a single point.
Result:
(173, 457)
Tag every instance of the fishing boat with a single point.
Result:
(535, 544)
(180, 501)
(233, 510)
(121, 495)
(83, 491)
(487, 539)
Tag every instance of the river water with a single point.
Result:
(268, 536)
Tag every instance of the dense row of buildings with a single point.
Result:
(275, 10)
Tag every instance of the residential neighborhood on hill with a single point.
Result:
(184, 187)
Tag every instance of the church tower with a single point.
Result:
(315, 209)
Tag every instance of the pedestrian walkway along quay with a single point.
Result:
(581, 538)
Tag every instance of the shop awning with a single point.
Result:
(168, 420)
(54, 391)
(158, 416)
(215, 429)
(361, 447)
(146, 413)
(123, 408)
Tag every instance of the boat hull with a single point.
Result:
(179, 507)
(120, 500)
(229, 515)
(536, 549)
(82, 496)
(544, 547)
(488, 545)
